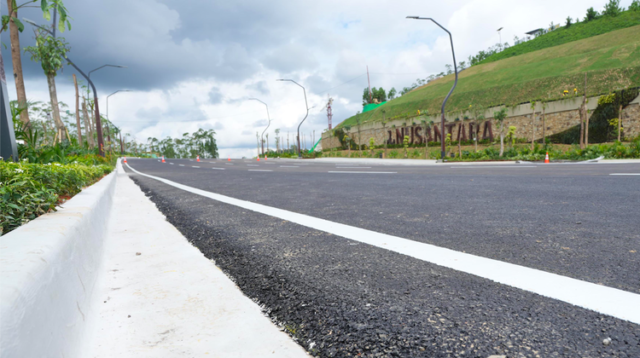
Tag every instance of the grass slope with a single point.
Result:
(611, 61)
(575, 32)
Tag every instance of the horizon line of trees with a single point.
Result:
(199, 143)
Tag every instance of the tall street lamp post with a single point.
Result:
(500, 35)
(268, 124)
(121, 145)
(442, 132)
(95, 100)
(305, 116)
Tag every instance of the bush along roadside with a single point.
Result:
(28, 190)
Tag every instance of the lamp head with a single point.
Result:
(413, 17)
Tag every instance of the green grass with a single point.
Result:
(575, 32)
(611, 61)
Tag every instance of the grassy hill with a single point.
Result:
(611, 61)
(575, 32)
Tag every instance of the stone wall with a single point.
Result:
(558, 117)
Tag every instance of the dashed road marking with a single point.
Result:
(289, 166)
(260, 170)
(182, 165)
(624, 174)
(496, 166)
(171, 163)
(353, 167)
(195, 166)
(252, 165)
(606, 300)
(218, 168)
(349, 172)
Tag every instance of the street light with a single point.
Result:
(121, 145)
(269, 118)
(442, 134)
(95, 100)
(500, 34)
(305, 117)
(95, 93)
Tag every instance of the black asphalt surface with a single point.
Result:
(341, 298)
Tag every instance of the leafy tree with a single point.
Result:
(449, 69)
(612, 8)
(591, 14)
(568, 23)
(50, 52)
(462, 65)
(500, 117)
(635, 5)
(392, 93)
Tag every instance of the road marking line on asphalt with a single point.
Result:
(496, 166)
(345, 171)
(194, 166)
(171, 163)
(182, 165)
(218, 168)
(606, 300)
(624, 174)
(229, 163)
(289, 166)
(260, 170)
(252, 165)
(353, 167)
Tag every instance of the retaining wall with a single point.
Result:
(559, 116)
(48, 270)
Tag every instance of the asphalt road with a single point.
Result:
(343, 298)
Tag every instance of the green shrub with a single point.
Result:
(393, 154)
(30, 190)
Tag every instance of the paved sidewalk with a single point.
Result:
(158, 296)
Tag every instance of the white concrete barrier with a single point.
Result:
(48, 270)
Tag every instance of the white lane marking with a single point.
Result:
(260, 170)
(218, 168)
(182, 165)
(497, 166)
(252, 165)
(194, 166)
(229, 163)
(289, 166)
(606, 300)
(353, 167)
(171, 163)
(624, 174)
(345, 171)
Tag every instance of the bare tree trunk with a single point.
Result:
(533, 128)
(75, 82)
(14, 34)
(501, 139)
(544, 125)
(87, 125)
(61, 130)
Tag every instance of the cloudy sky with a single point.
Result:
(193, 63)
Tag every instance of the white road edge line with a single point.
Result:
(624, 174)
(218, 168)
(345, 171)
(194, 166)
(260, 170)
(496, 166)
(289, 166)
(606, 300)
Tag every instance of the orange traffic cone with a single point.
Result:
(229, 159)
(258, 158)
(125, 159)
(265, 157)
(163, 158)
(546, 158)
(197, 158)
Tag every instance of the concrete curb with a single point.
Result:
(48, 271)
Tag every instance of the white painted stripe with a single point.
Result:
(194, 166)
(229, 163)
(260, 170)
(353, 167)
(496, 166)
(289, 166)
(252, 165)
(345, 171)
(624, 174)
(171, 163)
(606, 300)
(218, 168)
(182, 165)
